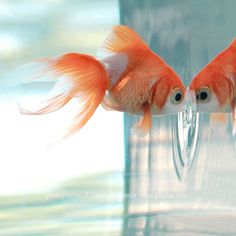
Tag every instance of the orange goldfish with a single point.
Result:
(214, 87)
(131, 78)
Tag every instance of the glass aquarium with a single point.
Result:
(177, 180)
(182, 174)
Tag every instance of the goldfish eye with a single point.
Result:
(176, 96)
(203, 95)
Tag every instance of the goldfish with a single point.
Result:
(213, 89)
(129, 78)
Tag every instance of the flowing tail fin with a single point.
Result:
(77, 76)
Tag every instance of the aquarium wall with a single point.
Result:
(170, 198)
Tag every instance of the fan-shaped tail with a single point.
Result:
(77, 76)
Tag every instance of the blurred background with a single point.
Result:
(105, 179)
(75, 187)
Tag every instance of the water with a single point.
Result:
(179, 180)
(183, 172)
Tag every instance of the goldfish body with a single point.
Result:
(131, 78)
(214, 87)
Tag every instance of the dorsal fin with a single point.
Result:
(121, 38)
(233, 43)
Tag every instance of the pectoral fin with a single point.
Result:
(109, 104)
(233, 107)
(144, 124)
(217, 119)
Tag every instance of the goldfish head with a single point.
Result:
(168, 95)
(211, 91)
